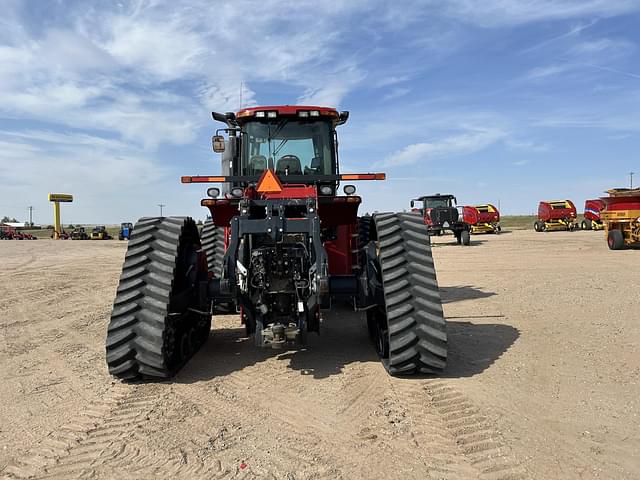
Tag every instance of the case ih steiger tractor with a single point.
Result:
(440, 213)
(281, 245)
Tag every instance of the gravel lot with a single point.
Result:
(543, 377)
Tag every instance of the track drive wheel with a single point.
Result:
(615, 240)
(157, 322)
(408, 327)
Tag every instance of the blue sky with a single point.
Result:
(495, 100)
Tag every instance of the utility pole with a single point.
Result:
(631, 174)
(161, 205)
(30, 208)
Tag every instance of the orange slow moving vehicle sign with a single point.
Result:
(269, 183)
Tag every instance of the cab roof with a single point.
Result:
(288, 110)
(433, 197)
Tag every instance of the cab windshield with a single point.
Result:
(436, 202)
(288, 147)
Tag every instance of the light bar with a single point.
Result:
(200, 179)
(272, 114)
(211, 202)
(259, 114)
(303, 113)
(314, 113)
(363, 176)
(350, 199)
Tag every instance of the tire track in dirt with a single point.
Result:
(73, 450)
(474, 436)
(429, 436)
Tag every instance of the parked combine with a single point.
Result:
(79, 233)
(592, 210)
(290, 244)
(125, 231)
(440, 214)
(100, 233)
(556, 215)
(482, 218)
(621, 217)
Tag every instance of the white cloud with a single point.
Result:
(603, 46)
(396, 93)
(473, 140)
(539, 73)
(495, 13)
(165, 50)
(526, 145)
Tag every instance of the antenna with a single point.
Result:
(631, 174)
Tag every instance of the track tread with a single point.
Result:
(416, 324)
(137, 337)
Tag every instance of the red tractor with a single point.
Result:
(440, 214)
(592, 220)
(282, 243)
(556, 215)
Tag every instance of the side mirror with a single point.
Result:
(218, 143)
(412, 203)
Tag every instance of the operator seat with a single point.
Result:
(315, 167)
(257, 164)
(289, 163)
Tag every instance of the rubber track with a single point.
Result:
(416, 323)
(136, 336)
(212, 239)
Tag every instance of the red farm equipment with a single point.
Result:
(621, 217)
(440, 213)
(7, 232)
(592, 210)
(482, 218)
(556, 215)
(281, 245)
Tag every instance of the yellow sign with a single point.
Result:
(60, 197)
(269, 183)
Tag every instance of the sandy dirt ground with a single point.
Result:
(543, 377)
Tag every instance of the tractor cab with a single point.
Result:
(434, 201)
(297, 143)
(281, 152)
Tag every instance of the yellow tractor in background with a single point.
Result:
(100, 233)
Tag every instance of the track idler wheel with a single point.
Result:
(158, 320)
